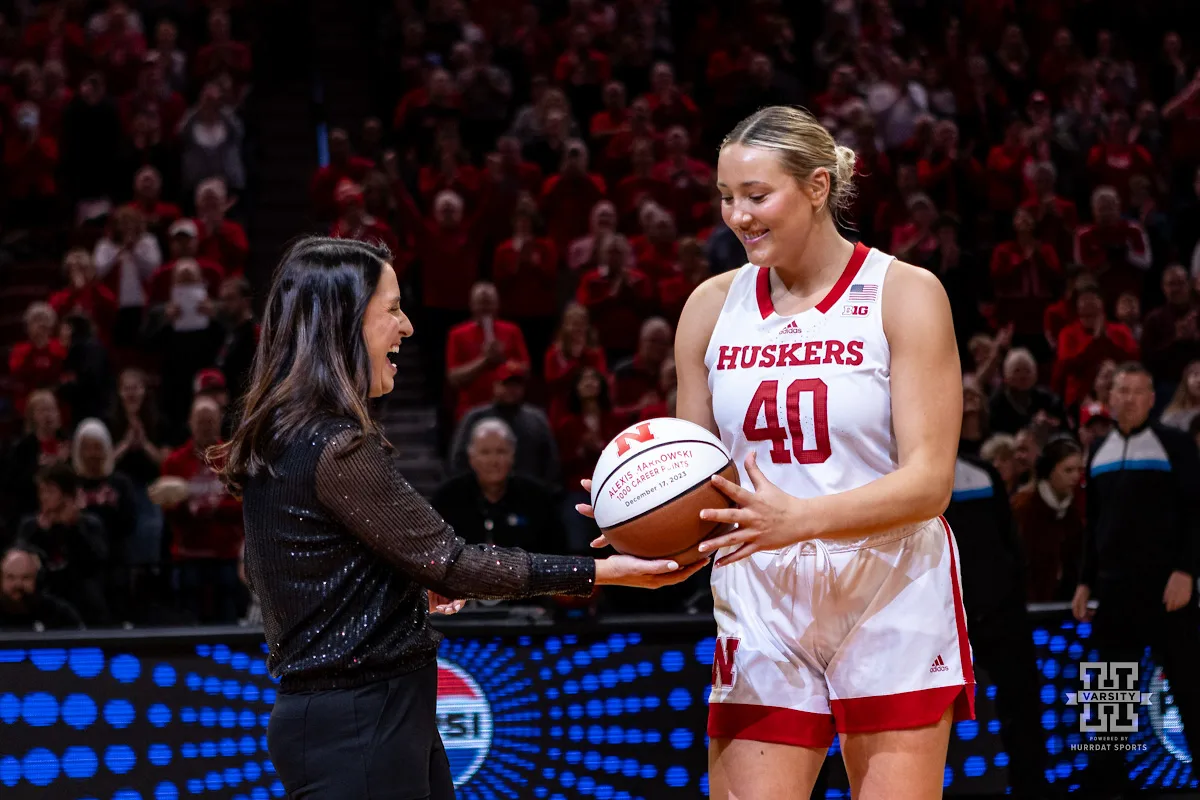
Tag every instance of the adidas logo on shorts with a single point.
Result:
(939, 665)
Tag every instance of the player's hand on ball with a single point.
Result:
(621, 570)
(765, 518)
(444, 605)
(587, 511)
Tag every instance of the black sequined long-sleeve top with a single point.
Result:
(340, 551)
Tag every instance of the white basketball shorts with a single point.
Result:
(814, 639)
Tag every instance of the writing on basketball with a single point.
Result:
(663, 465)
(791, 354)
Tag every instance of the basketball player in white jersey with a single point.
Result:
(830, 372)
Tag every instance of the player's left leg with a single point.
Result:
(898, 765)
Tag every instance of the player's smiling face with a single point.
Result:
(768, 209)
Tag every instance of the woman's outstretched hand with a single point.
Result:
(621, 570)
(444, 605)
(589, 512)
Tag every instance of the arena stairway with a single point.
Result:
(410, 423)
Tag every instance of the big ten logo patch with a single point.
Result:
(724, 670)
(855, 311)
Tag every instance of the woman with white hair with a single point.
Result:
(1020, 401)
(111, 496)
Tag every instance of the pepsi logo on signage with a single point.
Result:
(464, 719)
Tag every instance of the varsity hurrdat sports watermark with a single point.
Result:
(1109, 704)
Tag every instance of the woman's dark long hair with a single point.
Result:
(575, 402)
(311, 360)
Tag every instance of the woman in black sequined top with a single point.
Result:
(341, 551)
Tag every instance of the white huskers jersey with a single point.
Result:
(802, 632)
(810, 393)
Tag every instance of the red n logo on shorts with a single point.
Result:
(639, 434)
(723, 673)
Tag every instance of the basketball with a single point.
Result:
(651, 483)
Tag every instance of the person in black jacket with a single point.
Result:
(993, 583)
(1140, 551)
(491, 505)
(24, 603)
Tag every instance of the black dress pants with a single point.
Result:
(377, 742)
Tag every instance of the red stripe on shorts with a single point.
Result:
(900, 711)
(769, 724)
(960, 616)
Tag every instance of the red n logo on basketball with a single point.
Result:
(723, 673)
(639, 434)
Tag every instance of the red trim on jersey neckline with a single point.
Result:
(763, 283)
(903, 710)
(769, 724)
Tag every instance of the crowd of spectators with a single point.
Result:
(123, 188)
(543, 173)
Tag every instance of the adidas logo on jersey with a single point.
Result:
(939, 665)
(791, 329)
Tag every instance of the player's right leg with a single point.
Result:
(743, 769)
(769, 720)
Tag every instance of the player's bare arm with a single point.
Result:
(926, 387)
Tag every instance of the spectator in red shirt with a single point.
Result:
(582, 433)
(30, 159)
(613, 118)
(55, 37)
(119, 46)
(1171, 336)
(636, 380)
(657, 249)
(476, 349)
(950, 174)
(915, 240)
(147, 198)
(618, 296)
(184, 244)
(670, 105)
(618, 153)
(1061, 312)
(893, 210)
(1115, 250)
(691, 270)
(37, 362)
(582, 70)
(576, 347)
(1085, 344)
(515, 168)
(1114, 161)
(84, 294)
(641, 185)
(1054, 217)
(581, 255)
(451, 169)
(355, 223)
(569, 196)
(205, 520)
(221, 240)
(1025, 277)
(525, 269)
(690, 179)
(1006, 170)
(343, 164)
(222, 53)
(153, 94)
(1062, 60)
